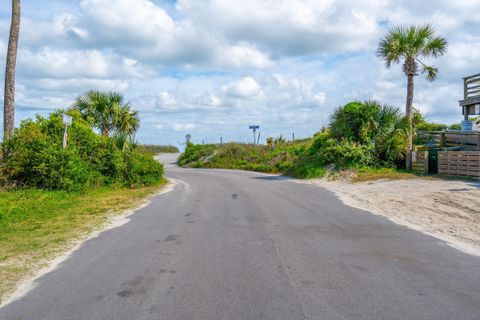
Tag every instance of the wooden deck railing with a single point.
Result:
(471, 86)
(451, 138)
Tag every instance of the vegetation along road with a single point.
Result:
(241, 245)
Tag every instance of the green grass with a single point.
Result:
(290, 158)
(371, 174)
(155, 149)
(244, 156)
(36, 225)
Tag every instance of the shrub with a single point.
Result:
(326, 151)
(355, 121)
(35, 158)
(430, 126)
(158, 148)
(195, 153)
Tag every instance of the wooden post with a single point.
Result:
(443, 140)
(425, 161)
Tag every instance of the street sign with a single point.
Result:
(254, 129)
(467, 125)
(67, 120)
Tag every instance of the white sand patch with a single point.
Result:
(446, 209)
(114, 222)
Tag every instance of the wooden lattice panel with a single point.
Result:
(459, 163)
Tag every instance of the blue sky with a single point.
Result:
(213, 67)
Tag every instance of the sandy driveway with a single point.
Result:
(446, 209)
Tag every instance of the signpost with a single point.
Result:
(254, 128)
(67, 121)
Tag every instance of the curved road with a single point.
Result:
(231, 245)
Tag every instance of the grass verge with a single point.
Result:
(371, 174)
(37, 225)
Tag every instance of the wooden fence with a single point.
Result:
(459, 163)
(452, 138)
(420, 161)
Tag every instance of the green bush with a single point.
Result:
(35, 158)
(195, 152)
(155, 149)
(430, 126)
(326, 151)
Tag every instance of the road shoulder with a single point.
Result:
(446, 209)
(31, 269)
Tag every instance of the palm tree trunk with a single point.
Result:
(409, 114)
(9, 98)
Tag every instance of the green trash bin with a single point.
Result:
(433, 161)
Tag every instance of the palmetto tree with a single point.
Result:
(109, 112)
(370, 123)
(411, 45)
(9, 98)
(126, 120)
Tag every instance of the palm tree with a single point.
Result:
(126, 123)
(410, 46)
(9, 98)
(126, 120)
(108, 112)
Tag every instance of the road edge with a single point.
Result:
(115, 221)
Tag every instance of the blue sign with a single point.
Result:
(254, 127)
(467, 125)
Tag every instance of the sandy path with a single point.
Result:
(446, 209)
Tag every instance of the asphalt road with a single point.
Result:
(233, 245)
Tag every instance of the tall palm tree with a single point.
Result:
(9, 97)
(108, 112)
(411, 46)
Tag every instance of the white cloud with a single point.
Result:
(289, 27)
(62, 63)
(182, 126)
(246, 87)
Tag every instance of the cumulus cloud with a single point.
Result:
(289, 27)
(246, 87)
(61, 63)
(182, 126)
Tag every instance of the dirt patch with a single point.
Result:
(446, 209)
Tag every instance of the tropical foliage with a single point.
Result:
(378, 126)
(412, 46)
(109, 112)
(36, 158)
(360, 134)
